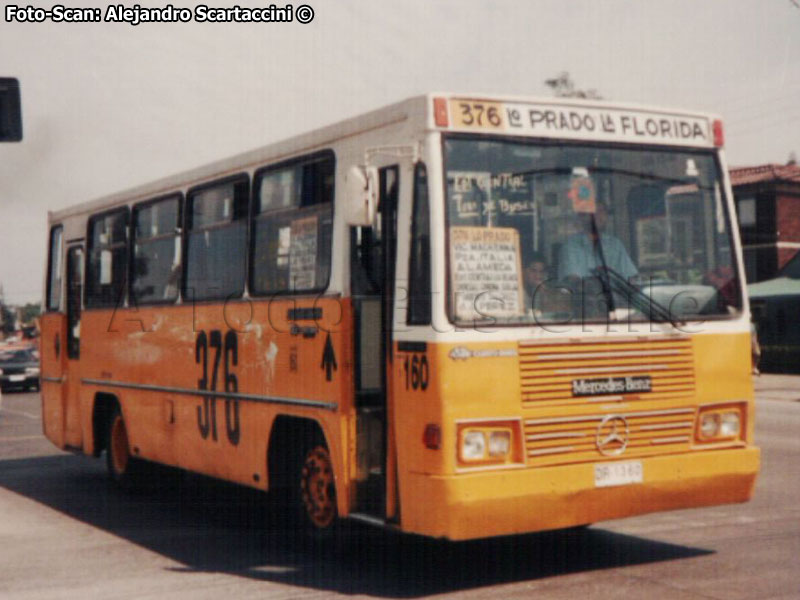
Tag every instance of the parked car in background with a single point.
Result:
(775, 305)
(19, 368)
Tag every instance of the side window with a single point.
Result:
(216, 240)
(419, 264)
(107, 264)
(155, 270)
(292, 226)
(54, 269)
(74, 293)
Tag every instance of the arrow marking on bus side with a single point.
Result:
(329, 359)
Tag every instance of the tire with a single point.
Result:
(122, 467)
(313, 502)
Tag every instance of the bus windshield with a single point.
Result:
(543, 233)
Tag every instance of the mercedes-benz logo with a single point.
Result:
(612, 435)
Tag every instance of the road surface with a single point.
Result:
(65, 533)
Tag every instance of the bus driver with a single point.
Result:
(580, 254)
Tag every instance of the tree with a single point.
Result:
(7, 320)
(563, 87)
(28, 312)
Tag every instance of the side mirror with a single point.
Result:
(10, 110)
(361, 191)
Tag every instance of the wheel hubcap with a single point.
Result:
(318, 490)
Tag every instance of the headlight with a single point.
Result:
(709, 425)
(719, 423)
(729, 424)
(473, 445)
(488, 442)
(31, 370)
(499, 443)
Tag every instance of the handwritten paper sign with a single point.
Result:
(303, 254)
(490, 198)
(486, 272)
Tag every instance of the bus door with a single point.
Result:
(60, 348)
(71, 377)
(52, 345)
(373, 251)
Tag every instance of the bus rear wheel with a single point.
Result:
(121, 465)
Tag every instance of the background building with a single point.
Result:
(768, 205)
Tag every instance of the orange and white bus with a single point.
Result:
(456, 316)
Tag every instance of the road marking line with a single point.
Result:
(20, 413)
(21, 438)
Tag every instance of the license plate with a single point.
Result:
(16, 378)
(618, 473)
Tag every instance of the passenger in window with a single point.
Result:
(579, 256)
(540, 295)
(534, 275)
(723, 281)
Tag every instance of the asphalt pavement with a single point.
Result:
(66, 533)
(770, 386)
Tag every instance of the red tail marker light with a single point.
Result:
(719, 134)
(440, 112)
(432, 437)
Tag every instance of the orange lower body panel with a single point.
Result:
(493, 503)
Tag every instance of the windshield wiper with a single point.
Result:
(639, 300)
(604, 281)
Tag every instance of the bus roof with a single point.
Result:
(560, 118)
(277, 151)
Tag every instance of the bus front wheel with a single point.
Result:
(318, 489)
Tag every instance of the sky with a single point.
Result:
(108, 106)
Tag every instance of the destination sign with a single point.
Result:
(581, 122)
(611, 385)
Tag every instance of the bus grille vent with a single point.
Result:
(548, 371)
(550, 441)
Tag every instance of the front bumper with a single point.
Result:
(18, 381)
(492, 503)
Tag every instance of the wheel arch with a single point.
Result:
(288, 435)
(102, 409)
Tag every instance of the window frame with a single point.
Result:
(179, 196)
(727, 200)
(750, 201)
(88, 282)
(426, 306)
(60, 308)
(242, 177)
(319, 156)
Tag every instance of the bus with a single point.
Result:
(457, 316)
